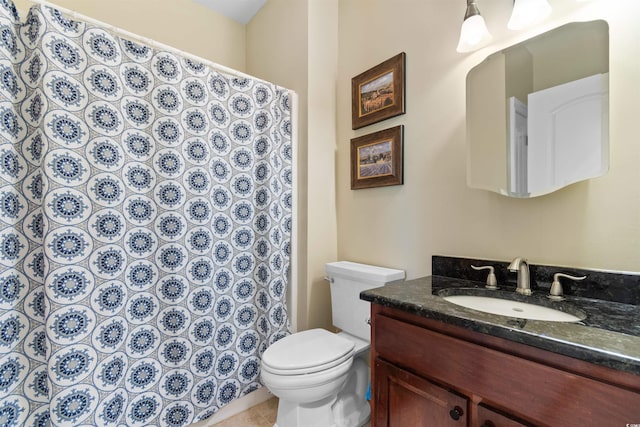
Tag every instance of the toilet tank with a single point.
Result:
(348, 279)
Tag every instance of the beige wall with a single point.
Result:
(322, 243)
(594, 224)
(183, 24)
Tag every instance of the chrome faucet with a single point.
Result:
(520, 265)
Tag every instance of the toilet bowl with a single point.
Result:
(308, 371)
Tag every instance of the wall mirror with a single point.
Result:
(538, 112)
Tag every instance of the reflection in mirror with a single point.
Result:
(538, 112)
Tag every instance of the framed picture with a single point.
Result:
(378, 93)
(376, 159)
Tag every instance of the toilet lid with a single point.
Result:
(306, 352)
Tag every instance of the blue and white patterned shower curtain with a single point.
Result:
(145, 221)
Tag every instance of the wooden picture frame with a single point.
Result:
(378, 93)
(377, 159)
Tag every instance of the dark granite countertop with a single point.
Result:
(608, 336)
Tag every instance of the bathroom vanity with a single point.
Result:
(439, 364)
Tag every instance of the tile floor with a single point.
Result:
(262, 415)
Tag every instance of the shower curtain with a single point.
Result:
(145, 223)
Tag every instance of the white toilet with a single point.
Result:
(321, 378)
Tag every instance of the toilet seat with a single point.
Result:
(307, 352)
(311, 381)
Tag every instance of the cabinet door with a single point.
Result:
(489, 418)
(403, 399)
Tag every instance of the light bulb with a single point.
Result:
(528, 12)
(473, 34)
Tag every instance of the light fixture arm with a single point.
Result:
(472, 9)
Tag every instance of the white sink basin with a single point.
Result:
(510, 308)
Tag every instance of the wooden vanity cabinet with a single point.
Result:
(429, 373)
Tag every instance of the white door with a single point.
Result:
(568, 134)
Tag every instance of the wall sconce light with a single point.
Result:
(474, 33)
(528, 12)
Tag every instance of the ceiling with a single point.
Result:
(239, 10)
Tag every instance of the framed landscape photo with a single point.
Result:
(376, 159)
(378, 93)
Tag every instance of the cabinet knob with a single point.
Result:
(487, 424)
(456, 413)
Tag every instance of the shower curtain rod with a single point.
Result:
(150, 42)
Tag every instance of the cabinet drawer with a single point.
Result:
(531, 391)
